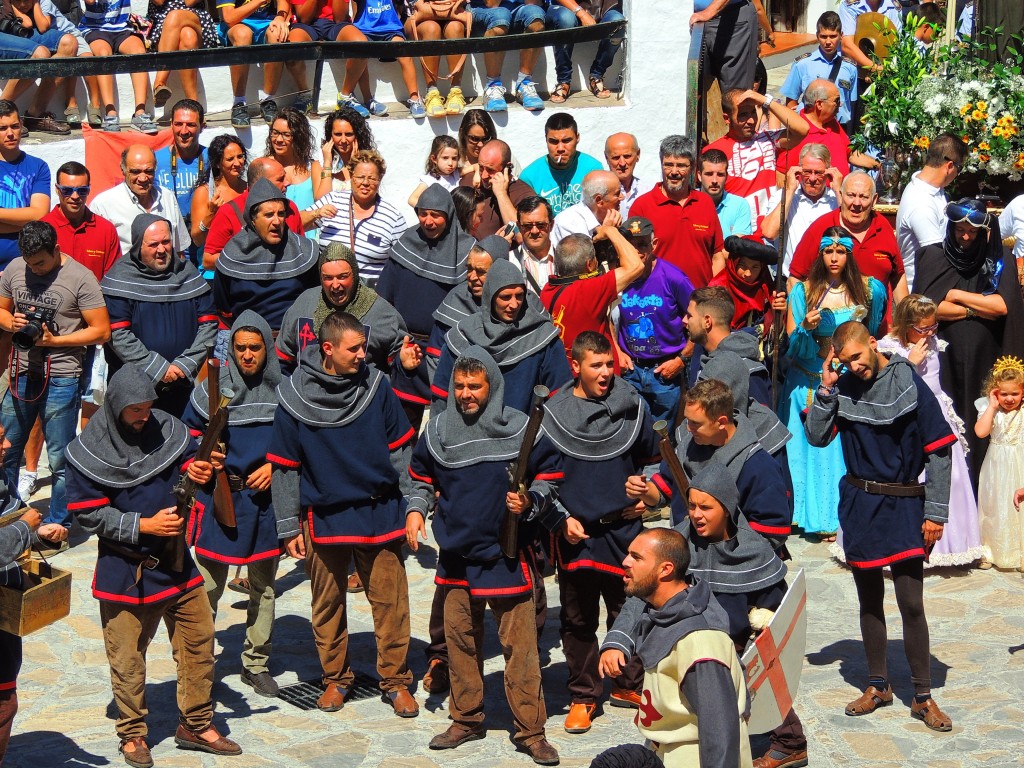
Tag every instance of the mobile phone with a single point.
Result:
(508, 230)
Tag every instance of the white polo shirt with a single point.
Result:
(1011, 222)
(801, 214)
(577, 219)
(630, 195)
(920, 221)
(120, 206)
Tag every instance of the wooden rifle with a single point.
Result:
(668, 454)
(779, 318)
(223, 503)
(508, 537)
(185, 489)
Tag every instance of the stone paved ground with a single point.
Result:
(977, 623)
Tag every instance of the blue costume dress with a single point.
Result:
(816, 472)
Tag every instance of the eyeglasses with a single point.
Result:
(476, 139)
(958, 166)
(280, 134)
(366, 179)
(927, 330)
(141, 171)
(71, 191)
(812, 174)
(956, 212)
(540, 226)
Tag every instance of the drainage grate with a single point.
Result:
(304, 693)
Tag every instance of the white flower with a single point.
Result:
(893, 127)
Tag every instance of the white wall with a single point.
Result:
(652, 107)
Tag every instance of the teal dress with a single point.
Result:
(816, 472)
(302, 195)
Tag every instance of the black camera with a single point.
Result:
(10, 25)
(36, 317)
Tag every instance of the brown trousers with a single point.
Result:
(517, 633)
(382, 571)
(127, 632)
(8, 709)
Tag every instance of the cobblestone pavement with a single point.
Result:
(977, 624)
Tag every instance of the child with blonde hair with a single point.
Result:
(1002, 473)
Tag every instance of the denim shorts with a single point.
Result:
(515, 20)
(15, 47)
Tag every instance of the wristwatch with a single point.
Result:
(768, 99)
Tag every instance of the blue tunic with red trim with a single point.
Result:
(115, 577)
(892, 429)
(547, 366)
(348, 484)
(469, 513)
(415, 297)
(593, 490)
(255, 536)
(268, 298)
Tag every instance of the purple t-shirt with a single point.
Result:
(651, 313)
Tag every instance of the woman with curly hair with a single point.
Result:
(290, 142)
(222, 180)
(345, 133)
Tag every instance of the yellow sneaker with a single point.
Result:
(456, 102)
(434, 104)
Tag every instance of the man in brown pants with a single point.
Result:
(339, 446)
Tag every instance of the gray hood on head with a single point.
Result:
(728, 367)
(442, 260)
(659, 629)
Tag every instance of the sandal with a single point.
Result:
(869, 701)
(597, 88)
(930, 714)
(827, 537)
(560, 94)
(161, 95)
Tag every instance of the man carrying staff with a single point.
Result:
(339, 446)
(464, 457)
(604, 432)
(252, 376)
(121, 472)
(892, 429)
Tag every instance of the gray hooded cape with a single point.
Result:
(442, 260)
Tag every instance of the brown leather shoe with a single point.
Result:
(930, 714)
(774, 759)
(541, 751)
(455, 736)
(579, 717)
(332, 699)
(402, 702)
(185, 739)
(620, 697)
(869, 701)
(138, 756)
(354, 584)
(437, 679)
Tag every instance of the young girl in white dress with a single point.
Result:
(1002, 473)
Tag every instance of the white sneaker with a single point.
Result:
(27, 485)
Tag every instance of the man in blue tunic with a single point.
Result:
(892, 429)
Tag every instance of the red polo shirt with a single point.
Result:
(93, 243)
(227, 223)
(833, 137)
(877, 255)
(688, 235)
(581, 306)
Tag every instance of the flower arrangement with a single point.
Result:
(917, 96)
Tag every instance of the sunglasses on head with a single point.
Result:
(69, 191)
(957, 212)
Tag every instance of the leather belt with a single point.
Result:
(653, 362)
(886, 489)
(236, 483)
(149, 562)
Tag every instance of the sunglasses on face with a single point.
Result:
(956, 213)
(70, 191)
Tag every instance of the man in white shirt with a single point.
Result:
(1011, 224)
(622, 153)
(602, 194)
(140, 194)
(811, 191)
(921, 219)
(536, 255)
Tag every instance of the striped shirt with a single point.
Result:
(373, 236)
(106, 15)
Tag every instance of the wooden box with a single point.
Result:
(45, 597)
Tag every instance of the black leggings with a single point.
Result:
(908, 578)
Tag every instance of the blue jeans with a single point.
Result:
(661, 395)
(58, 406)
(14, 47)
(560, 17)
(514, 20)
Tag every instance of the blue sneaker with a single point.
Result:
(348, 100)
(526, 94)
(377, 108)
(416, 108)
(494, 98)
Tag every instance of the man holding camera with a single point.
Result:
(53, 306)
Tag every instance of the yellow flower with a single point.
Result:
(966, 108)
(984, 145)
(984, 158)
(999, 132)
(922, 142)
(982, 105)
(978, 115)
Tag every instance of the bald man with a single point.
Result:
(622, 153)
(139, 193)
(602, 194)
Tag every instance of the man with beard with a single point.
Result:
(339, 447)
(518, 335)
(685, 222)
(733, 211)
(161, 314)
(459, 471)
(265, 266)
(604, 433)
(251, 375)
(340, 290)
(716, 431)
(892, 430)
(121, 472)
(694, 691)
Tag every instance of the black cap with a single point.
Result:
(637, 227)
